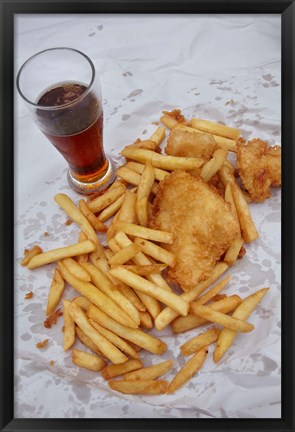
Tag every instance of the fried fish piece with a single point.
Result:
(259, 167)
(191, 144)
(200, 221)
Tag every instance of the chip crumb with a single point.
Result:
(42, 344)
(242, 252)
(156, 123)
(52, 362)
(68, 222)
(46, 234)
(52, 318)
(29, 295)
(26, 251)
(63, 329)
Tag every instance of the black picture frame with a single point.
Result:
(7, 11)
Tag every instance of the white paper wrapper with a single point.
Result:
(220, 67)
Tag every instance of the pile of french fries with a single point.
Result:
(122, 294)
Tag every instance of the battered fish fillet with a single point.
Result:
(190, 144)
(259, 167)
(200, 221)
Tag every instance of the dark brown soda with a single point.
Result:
(75, 128)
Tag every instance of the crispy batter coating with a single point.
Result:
(259, 167)
(190, 144)
(200, 221)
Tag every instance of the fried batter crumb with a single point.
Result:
(176, 114)
(46, 234)
(52, 318)
(29, 295)
(242, 252)
(68, 222)
(42, 344)
(52, 362)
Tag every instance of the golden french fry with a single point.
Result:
(242, 312)
(167, 315)
(248, 229)
(213, 165)
(97, 297)
(55, 293)
(104, 284)
(137, 336)
(200, 341)
(131, 295)
(169, 121)
(112, 228)
(157, 160)
(83, 257)
(182, 324)
(216, 128)
(61, 253)
(232, 253)
(112, 209)
(226, 175)
(146, 320)
(149, 373)
(76, 269)
(114, 339)
(69, 326)
(133, 177)
(29, 254)
(140, 284)
(109, 253)
(125, 254)
(188, 371)
(158, 136)
(75, 214)
(103, 201)
(96, 224)
(228, 197)
(213, 291)
(143, 192)
(139, 167)
(150, 387)
(113, 245)
(128, 212)
(220, 318)
(145, 233)
(145, 270)
(87, 361)
(155, 251)
(86, 341)
(106, 347)
(113, 371)
(83, 302)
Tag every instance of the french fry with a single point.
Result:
(86, 341)
(248, 229)
(125, 255)
(213, 165)
(228, 197)
(143, 192)
(87, 361)
(182, 324)
(128, 211)
(115, 339)
(149, 288)
(97, 297)
(103, 201)
(216, 128)
(96, 224)
(232, 252)
(157, 160)
(242, 312)
(169, 121)
(113, 371)
(83, 302)
(146, 320)
(149, 373)
(56, 290)
(150, 387)
(158, 136)
(137, 336)
(69, 326)
(193, 365)
(145, 233)
(132, 297)
(107, 348)
(112, 209)
(83, 257)
(115, 248)
(200, 341)
(139, 167)
(109, 253)
(155, 251)
(145, 270)
(76, 269)
(112, 228)
(221, 318)
(101, 281)
(29, 254)
(75, 214)
(133, 177)
(167, 315)
(226, 175)
(213, 291)
(61, 253)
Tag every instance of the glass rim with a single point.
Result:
(56, 107)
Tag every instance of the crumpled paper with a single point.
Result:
(220, 67)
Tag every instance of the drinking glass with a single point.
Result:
(62, 91)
